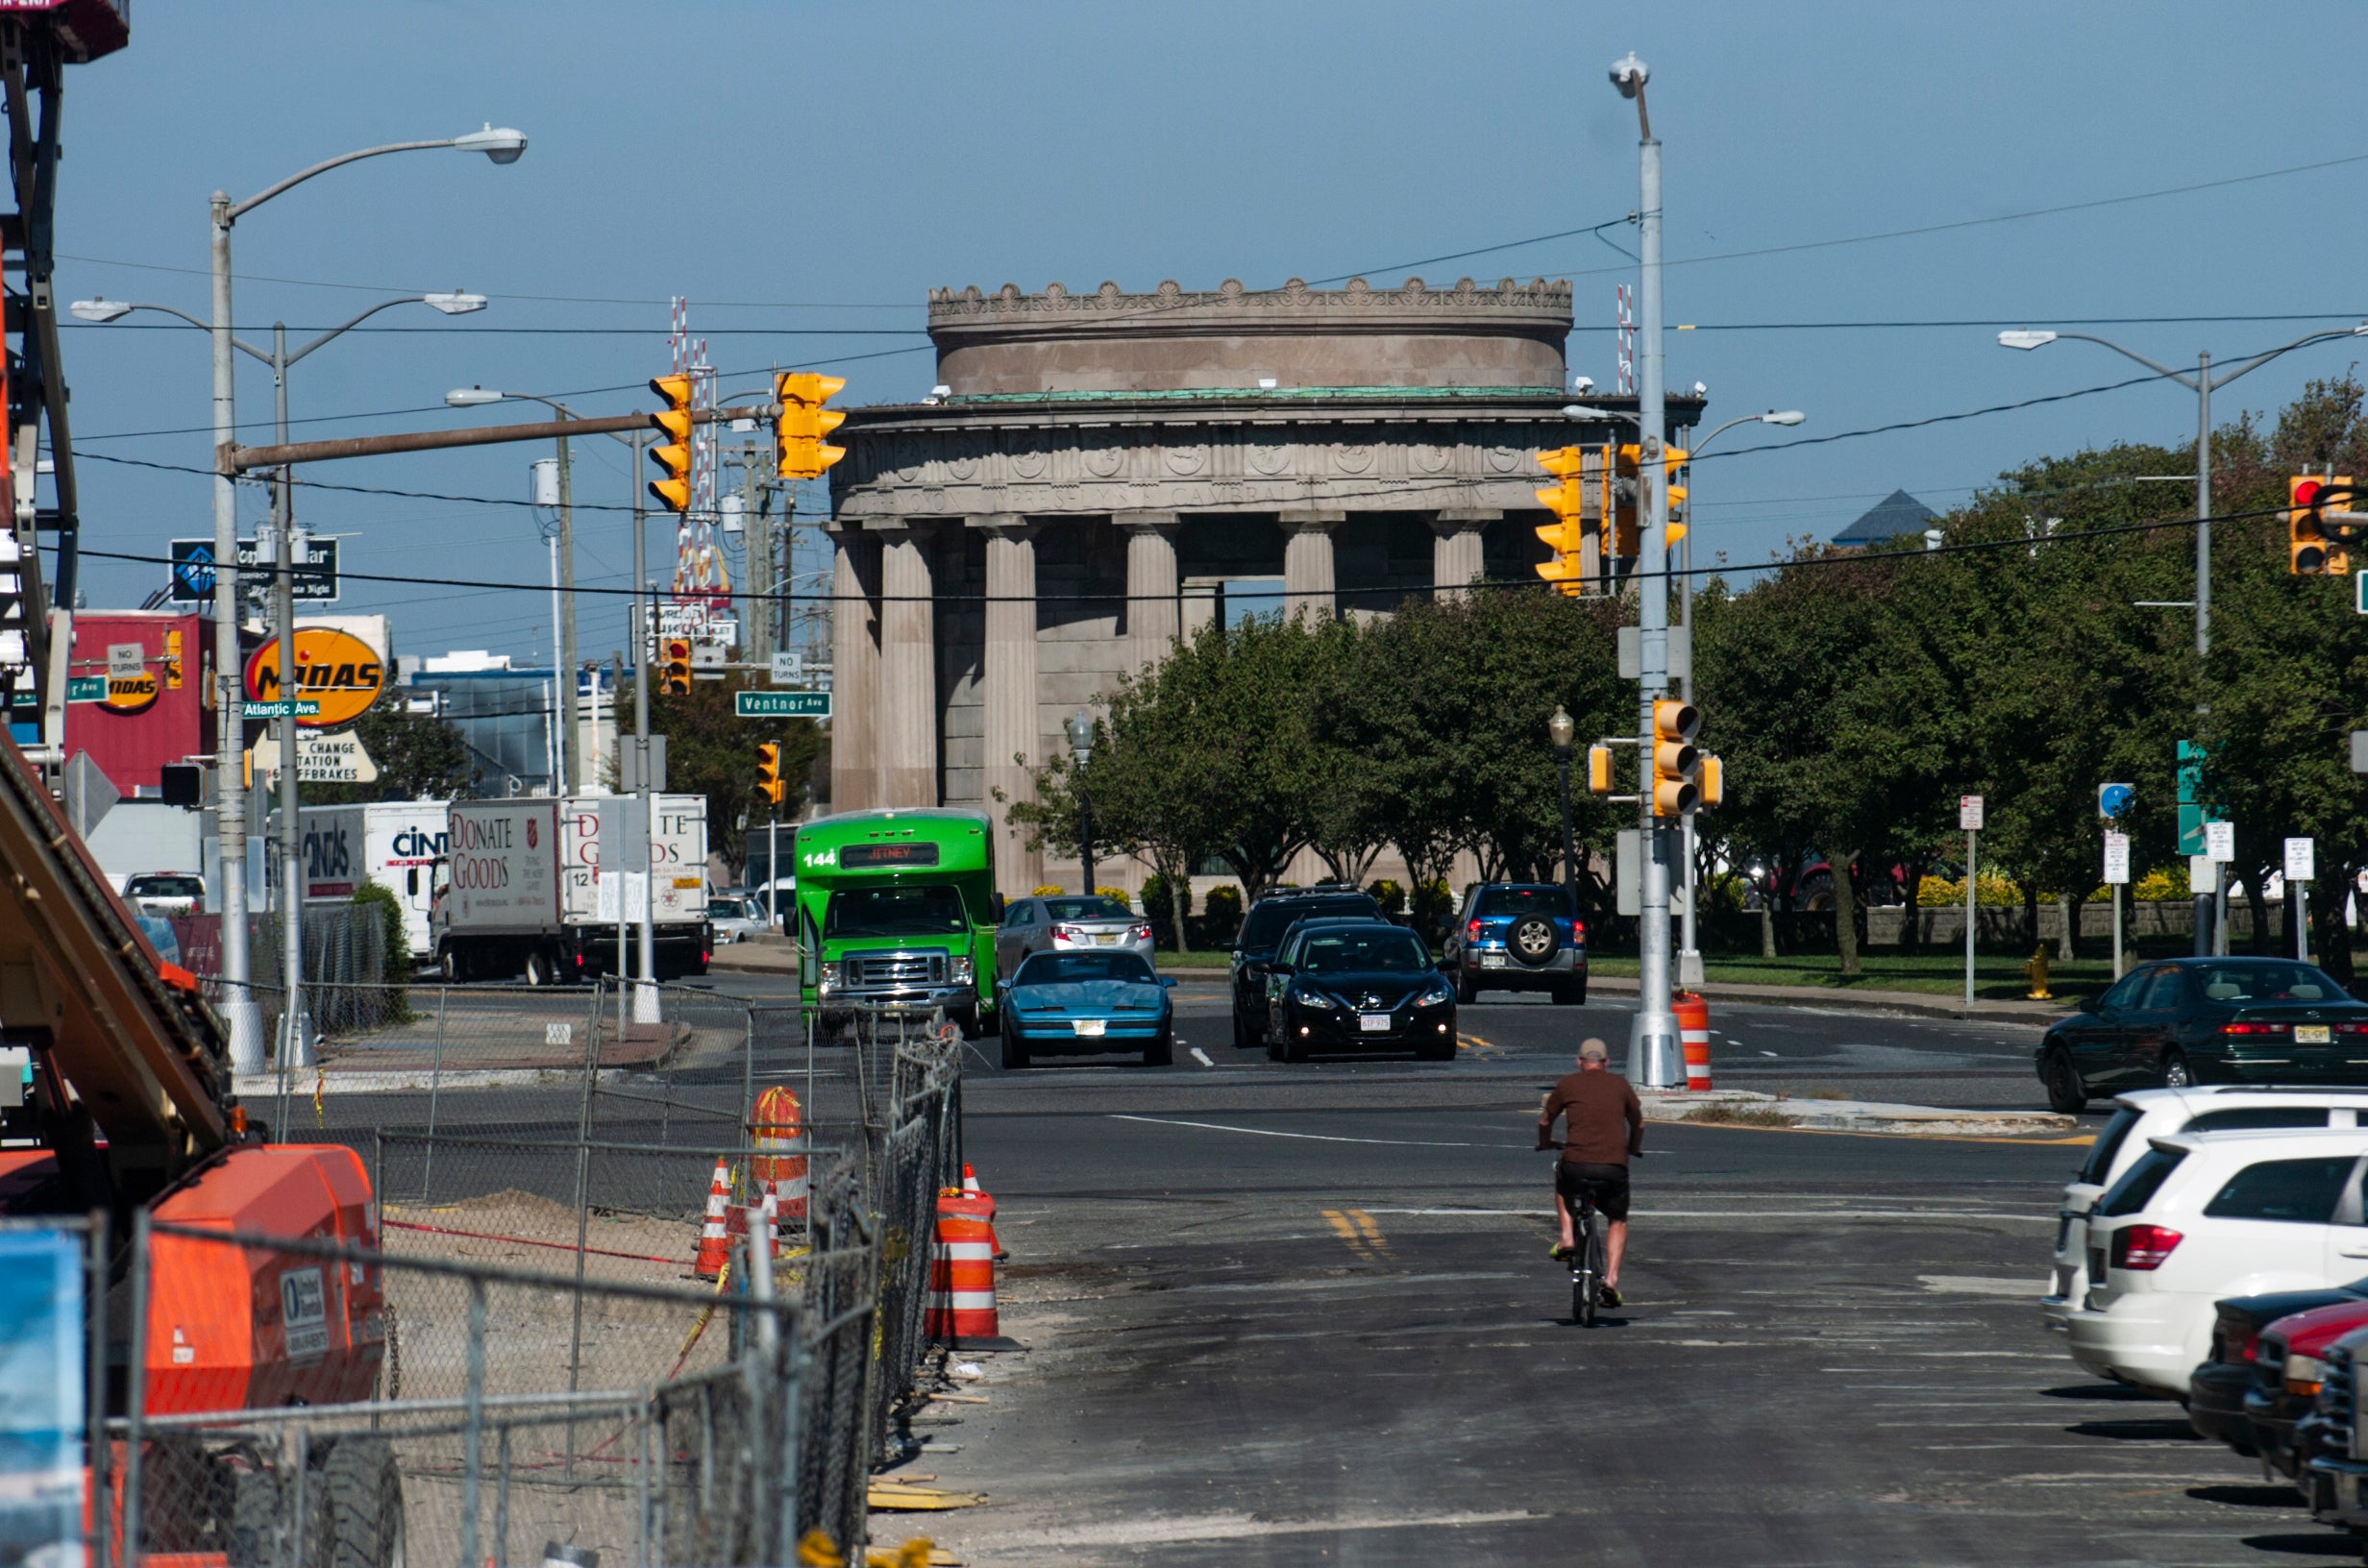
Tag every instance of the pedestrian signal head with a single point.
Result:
(1711, 780)
(1599, 770)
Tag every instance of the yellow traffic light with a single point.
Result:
(1567, 535)
(769, 771)
(804, 422)
(1625, 532)
(1713, 780)
(1631, 530)
(673, 456)
(2312, 546)
(1675, 761)
(1599, 770)
(675, 675)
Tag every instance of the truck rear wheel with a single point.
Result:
(455, 971)
(363, 1493)
(539, 971)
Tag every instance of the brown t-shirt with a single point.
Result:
(1607, 1124)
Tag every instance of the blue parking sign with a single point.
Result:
(2112, 800)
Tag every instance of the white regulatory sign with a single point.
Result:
(2300, 860)
(2220, 841)
(2116, 859)
(1969, 813)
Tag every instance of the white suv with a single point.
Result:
(2203, 1215)
(2147, 1114)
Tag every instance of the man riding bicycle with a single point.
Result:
(1607, 1130)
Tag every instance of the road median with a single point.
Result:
(1745, 1108)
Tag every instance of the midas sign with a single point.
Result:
(131, 694)
(335, 669)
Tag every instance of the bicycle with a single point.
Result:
(1586, 1261)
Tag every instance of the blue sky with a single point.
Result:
(806, 172)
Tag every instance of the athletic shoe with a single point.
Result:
(1562, 1254)
(1611, 1297)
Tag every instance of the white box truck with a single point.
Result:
(395, 844)
(520, 892)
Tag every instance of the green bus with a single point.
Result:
(897, 912)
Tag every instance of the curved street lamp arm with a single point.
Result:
(350, 325)
(1696, 451)
(2184, 378)
(240, 210)
(563, 411)
(2260, 359)
(206, 326)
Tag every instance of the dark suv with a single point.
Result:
(1518, 936)
(1270, 917)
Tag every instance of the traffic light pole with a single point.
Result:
(1653, 1056)
(644, 989)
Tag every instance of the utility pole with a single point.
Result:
(230, 791)
(757, 640)
(571, 743)
(292, 1046)
(1653, 1057)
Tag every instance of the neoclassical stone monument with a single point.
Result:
(1102, 473)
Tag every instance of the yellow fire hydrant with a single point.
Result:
(2037, 970)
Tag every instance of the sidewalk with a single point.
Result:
(759, 955)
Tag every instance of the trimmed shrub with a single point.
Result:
(1391, 895)
(1220, 915)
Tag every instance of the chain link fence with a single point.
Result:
(429, 1414)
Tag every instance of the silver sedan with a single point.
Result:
(1068, 923)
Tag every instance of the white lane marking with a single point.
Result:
(1202, 1057)
(1315, 1137)
(1229, 1527)
(1768, 1053)
(1714, 1213)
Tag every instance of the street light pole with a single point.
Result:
(1561, 730)
(2208, 937)
(1653, 1058)
(281, 542)
(244, 1017)
(1080, 728)
(644, 989)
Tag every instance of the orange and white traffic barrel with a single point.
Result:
(961, 1299)
(1693, 1032)
(775, 1123)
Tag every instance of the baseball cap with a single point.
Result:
(1595, 1050)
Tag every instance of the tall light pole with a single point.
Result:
(571, 755)
(2204, 384)
(502, 146)
(1080, 728)
(281, 542)
(1561, 730)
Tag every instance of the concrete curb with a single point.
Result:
(1851, 1116)
(1914, 1003)
(263, 1086)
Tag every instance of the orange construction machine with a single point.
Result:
(130, 1107)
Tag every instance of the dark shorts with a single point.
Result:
(1606, 1186)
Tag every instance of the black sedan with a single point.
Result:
(1358, 985)
(2202, 1021)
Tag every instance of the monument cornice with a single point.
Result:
(1539, 307)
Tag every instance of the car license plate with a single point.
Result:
(1089, 1026)
(1107, 939)
(1491, 960)
(2313, 1033)
(1374, 1024)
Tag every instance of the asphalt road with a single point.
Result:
(1295, 1314)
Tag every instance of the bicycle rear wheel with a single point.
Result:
(1597, 1263)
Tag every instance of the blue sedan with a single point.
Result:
(1084, 1004)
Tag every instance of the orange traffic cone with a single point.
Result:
(1693, 1032)
(714, 1242)
(776, 1122)
(972, 1190)
(961, 1301)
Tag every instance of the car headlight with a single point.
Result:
(2303, 1375)
(1434, 994)
(831, 974)
(962, 971)
(1307, 997)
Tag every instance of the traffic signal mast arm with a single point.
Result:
(233, 459)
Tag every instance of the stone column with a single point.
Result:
(855, 680)
(908, 667)
(1307, 560)
(1010, 690)
(1152, 611)
(1456, 557)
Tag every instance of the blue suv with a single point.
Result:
(1518, 936)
